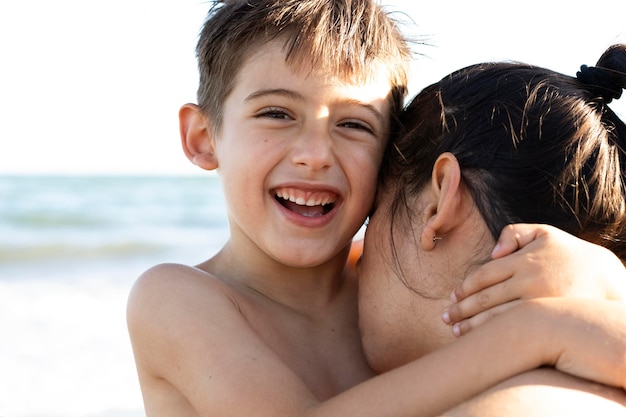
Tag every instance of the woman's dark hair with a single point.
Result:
(534, 146)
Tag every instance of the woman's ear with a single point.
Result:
(445, 211)
(197, 137)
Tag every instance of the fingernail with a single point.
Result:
(456, 329)
(453, 297)
(446, 316)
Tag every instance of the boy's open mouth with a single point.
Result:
(306, 203)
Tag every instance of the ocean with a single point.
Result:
(70, 250)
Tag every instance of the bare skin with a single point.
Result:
(268, 326)
(405, 285)
(284, 347)
(545, 392)
(199, 353)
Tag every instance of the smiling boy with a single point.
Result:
(294, 112)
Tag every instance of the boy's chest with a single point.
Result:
(326, 355)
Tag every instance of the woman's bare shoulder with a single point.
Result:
(545, 392)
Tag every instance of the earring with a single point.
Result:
(436, 238)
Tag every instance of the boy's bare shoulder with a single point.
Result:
(166, 274)
(174, 302)
(172, 289)
(174, 312)
(170, 276)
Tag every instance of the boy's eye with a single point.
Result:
(273, 113)
(357, 125)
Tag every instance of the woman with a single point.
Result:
(488, 146)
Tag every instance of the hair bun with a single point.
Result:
(599, 81)
(608, 78)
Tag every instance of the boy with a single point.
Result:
(295, 104)
(298, 138)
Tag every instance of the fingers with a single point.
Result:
(481, 301)
(465, 326)
(515, 237)
(484, 276)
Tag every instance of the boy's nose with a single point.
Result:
(313, 150)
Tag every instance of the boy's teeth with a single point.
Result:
(302, 201)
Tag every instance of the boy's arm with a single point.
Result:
(197, 355)
(532, 261)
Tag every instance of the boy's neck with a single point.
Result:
(303, 289)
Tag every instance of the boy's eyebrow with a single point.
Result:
(275, 91)
(297, 96)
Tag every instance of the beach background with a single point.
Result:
(94, 187)
(70, 249)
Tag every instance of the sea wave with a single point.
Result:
(52, 220)
(62, 251)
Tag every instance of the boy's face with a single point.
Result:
(298, 154)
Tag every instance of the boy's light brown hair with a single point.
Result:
(352, 40)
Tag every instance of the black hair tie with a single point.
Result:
(601, 81)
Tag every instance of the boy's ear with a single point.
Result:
(445, 211)
(197, 138)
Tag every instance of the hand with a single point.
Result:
(531, 261)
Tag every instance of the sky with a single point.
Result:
(92, 87)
